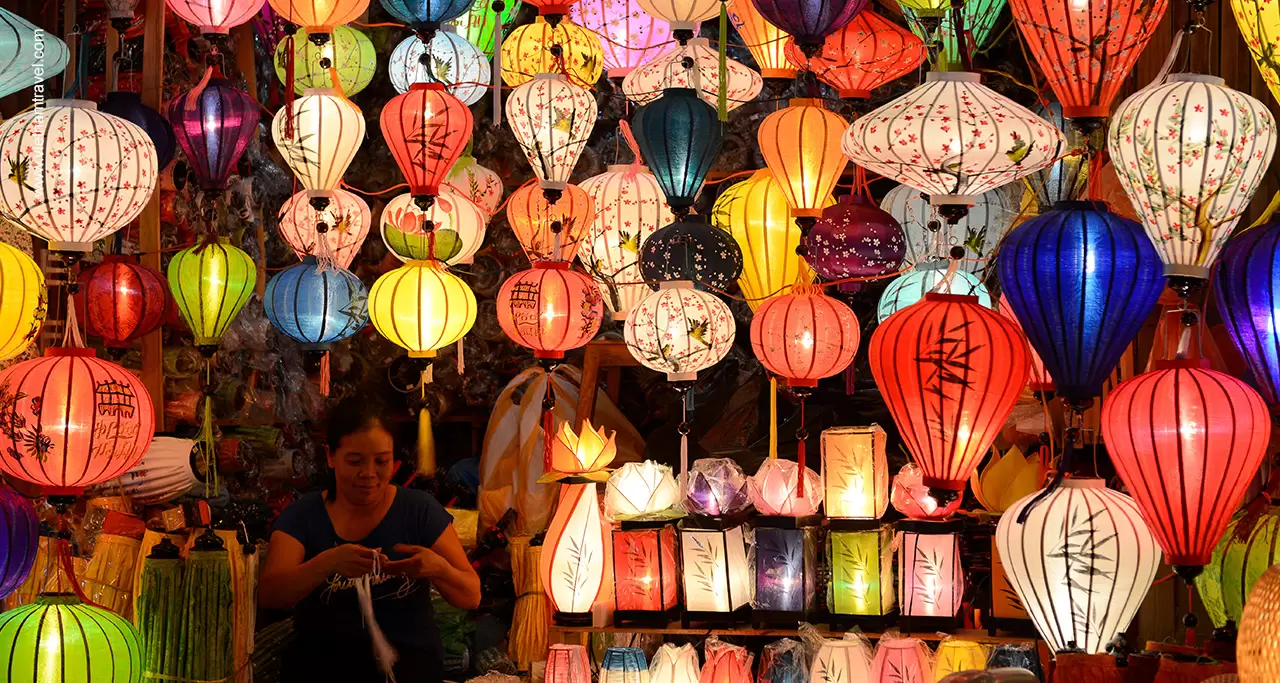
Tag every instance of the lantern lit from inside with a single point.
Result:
(647, 82)
(421, 307)
(426, 129)
(624, 665)
(216, 17)
(550, 309)
(17, 38)
(573, 554)
(348, 52)
(847, 660)
(316, 306)
(1006, 478)
(868, 52)
(1259, 660)
(478, 24)
(861, 561)
(477, 183)
(629, 37)
(935, 23)
(726, 663)
(567, 664)
(1247, 288)
(930, 577)
(19, 539)
(551, 119)
(426, 17)
(716, 571)
(320, 16)
(907, 290)
(586, 451)
(531, 49)
(24, 301)
(804, 335)
(646, 575)
(59, 638)
(855, 472)
(955, 655)
(674, 664)
(1238, 561)
(447, 59)
(1039, 379)
(929, 235)
(1259, 24)
(210, 283)
(679, 330)
(129, 106)
(550, 231)
(629, 208)
(786, 571)
(679, 137)
(683, 15)
(901, 660)
(454, 224)
(74, 195)
(337, 231)
(318, 137)
(800, 144)
(765, 41)
(909, 495)
(775, 490)
(123, 301)
(691, 250)
(641, 490)
(716, 487)
(213, 128)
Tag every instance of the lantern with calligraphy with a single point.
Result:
(679, 330)
(477, 183)
(629, 208)
(211, 282)
(319, 17)
(807, 22)
(1247, 289)
(550, 230)
(1259, 660)
(24, 301)
(691, 251)
(318, 137)
(868, 52)
(550, 309)
(426, 129)
(567, 664)
(123, 301)
(693, 65)
(532, 49)
(316, 307)
(854, 239)
(765, 41)
(847, 660)
(421, 307)
(59, 638)
(426, 16)
(479, 23)
(573, 559)
(901, 660)
(216, 17)
(454, 224)
(682, 15)
(447, 59)
(348, 53)
(1248, 547)
(679, 138)
(909, 289)
(213, 128)
(641, 497)
(629, 36)
(19, 539)
(17, 43)
(930, 576)
(800, 146)
(674, 664)
(336, 232)
(929, 235)
(552, 120)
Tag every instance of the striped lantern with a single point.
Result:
(929, 235)
(424, 16)
(1247, 548)
(868, 52)
(550, 231)
(17, 44)
(804, 335)
(765, 41)
(550, 309)
(215, 17)
(319, 17)
(683, 15)
(123, 301)
(316, 306)
(1248, 286)
(426, 129)
(421, 307)
(902, 660)
(807, 21)
(349, 53)
(911, 288)
(318, 136)
(648, 81)
(552, 119)
(679, 137)
(692, 251)
(801, 146)
(447, 59)
(628, 35)
(479, 25)
(24, 301)
(679, 330)
(59, 638)
(629, 208)
(19, 539)
(211, 282)
(213, 128)
(1259, 659)
(337, 231)
(530, 50)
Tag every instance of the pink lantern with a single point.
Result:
(901, 660)
(628, 35)
(726, 663)
(774, 490)
(930, 578)
(337, 231)
(911, 497)
(567, 664)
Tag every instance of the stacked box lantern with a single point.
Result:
(930, 579)
(786, 540)
(861, 570)
(859, 547)
(641, 497)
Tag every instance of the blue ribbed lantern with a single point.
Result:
(623, 665)
(314, 306)
(1081, 280)
(129, 106)
(426, 14)
(1248, 291)
(694, 251)
(679, 137)
(19, 538)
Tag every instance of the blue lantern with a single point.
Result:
(19, 538)
(426, 15)
(316, 306)
(1248, 294)
(1081, 280)
(623, 665)
(129, 106)
(679, 137)
(689, 250)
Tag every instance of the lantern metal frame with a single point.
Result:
(732, 528)
(787, 533)
(916, 623)
(885, 614)
(663, 532)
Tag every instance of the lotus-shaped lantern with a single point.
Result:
(584, 454)
(716, 486)
(640, 489)
(774, 490)
(1007, 478)
(726, 663)
(911, 497)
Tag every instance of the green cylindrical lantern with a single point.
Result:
(57, 638)
(1237, 564)
(861, 553)
(211, 283)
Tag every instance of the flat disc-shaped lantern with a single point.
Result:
(477, 183)
(1259, 24)
(550, 231)
(629, 36)
(930, 236)
(683, 15)
(72, 420)
(316, 306)
(215, 17)
(531, 50)
(1081, 560)
(426, 129)
(1081, 281)
(321, 140)
(765, 41)
(19, 539)
(801, 146)
(211, 282)
(348, 52)
(867, 53)
(855, 238)
(1167, 431)
(123, 301)
(479, 23)
(17, 43)
(1190, 200)
(421, 307)
(129, 106)
(1248, 547)
(907, 290)
(337, 231)
(426, 15)
(804, 335)
(629, 208)
(456, 226)
(679, 137)
(447, 59)
(692, 251)
(1248, 294)
(809, 21)
(94, 174)
(213, 128)
(550, 309)
(948, 360)
(59, 638)
(24, 301)
(679, 330)
(319, 16)
(650, 80)
(552, 120)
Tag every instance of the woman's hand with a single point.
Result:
(421, 563)
(349, 560)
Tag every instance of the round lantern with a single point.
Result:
(531, 50)
(95, 173)
(129, 106)
(808, 23)
(1248, 547)
(447, 59)
(477, 183)
(319, 17)
(336, 232)
(804, 335)
(1166, 432)
(629, 36)
(955, 655)
(629, 208)
(867, 53)
(19, 535)
(691, 251)
(679, 330)
(552, 120)
(426, 16)
(1080, 559)
(683, 15)
(216, 17)
(421, 307)
(123, 301)
(679, 137)
(17, 41)
(929, 235)
(776, 491)
(348, 52)
(426, 129)
(211, 282)
(800, 146)
(649, 80)
(72, 420)
(479, 23)
(320, 141)
(1081, 281)
(1259, 660)
(1259, 24)
(765, 41)
(948, 360)
(550, 231)
(909, 289)
(1247, 290)
(855, 238)
(550, 309)
(24, 301)
(457, 228)
(316, 306)
(1189, 200)
(213, 128)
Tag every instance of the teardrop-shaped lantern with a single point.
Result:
(123, 301)
(550, 309)
(1248, 296)
(338, 230)
(693, 251)
(478, 24)
(629, 208)
(447, 59)
(631, 37)
(532, 49)
(426, 16)
(321, 140)
(316, 306)
(766, 42)
(679, 330)
(804, 335)
(550, 231)
(213, 128)
(129, 106)
(319, 17)
(348, 52)
(215, 17)
(426, 129)
(809, 22)
(801, 146)
(24, 301)
(855, 238)
(683, 15)
(17, 43)
(931, 236)
(650, 80)
(211, 282)
(552, 120)
(679, 137)
(421, 307)
(867, 53)
(457, 228)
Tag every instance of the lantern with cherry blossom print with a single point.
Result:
(123, 301)
(213, 128)
(800, 145)
(551, 119)
(647, 82)
(629, 208)
(629, 36)
(573, 558)
(1259, 23)
(550, 231)
(453, 224)
(477, 183)
(682, 15)
(807, 21)
(694, 251)
(679, 138)
(804, 335)
(426, 129)
(210, 283)
(765, 41)
(531, 49)
(336, 232)
(421, 307)
(74, 174)
(1166, 431)
(679, 330)
(24, 301)
(318, 136)
(448, 58)
(426, 16)
(930, 576)
(215, 17)
(900, 659)
(868, 52)
(550, 309)
(348, 52)
(319, 17)
(854, 239)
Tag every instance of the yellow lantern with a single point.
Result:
(421, 307)
(855, 472)
(349, 53)
(529, 51)
(327, 129)
(801, 146)
(1259, 22)
(766, 42)
(23, 301)
(955, 655)
(1005, 479)
(211, 282)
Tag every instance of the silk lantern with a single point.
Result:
(955, 655)
(60, 638)
(909, 495)
(1259, 660)
(426, 16)
(679, 330)
(316, 306)
(1190, 200)
(24, 301)
(1067, 178)
(550, 309)
(624, 665)
(448, 58)
(213, 128)
(804, 335)
(907, 290)
(1165, 431)
(847, 660)
(552, 120)
(855, 472)
(765, 41)
(319, 17)
(94, 173)
(640, 490)
(931, 236)
(785, 572)
(1081, 559)
(211, 282)
(1247, 548)
(129, 106)
(935, 22)
(646, 574)
(421, 307)
(124, 301)
(121, 13)
(800, 146)
(477, 183)
(454, 224)
(18, 540)
(629, 208)
(630, 37)
(776, 492)
(573, 570)
(426, 129)
(1247, 289)
(930, 574)
(1259, 24)
(682, 15)
(860, 553)
(855, 239)
(948, 359)
(550, 230)
(716, 571)
(531, 49)
(692, 251)
(481, 22)
(1039, 379)
(674, 664)
(672, 69)
(17, 45)
(318, 136)
(336, 232)
(348, 53)
(215, 17)
(870, 51)
(1007, 477)
(567, 664)
(679, 137)
(807, 21)
(901, 660)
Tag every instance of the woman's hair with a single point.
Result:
(351, 415)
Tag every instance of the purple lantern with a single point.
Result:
(809, 21)
(717, 487)
(129, 106)
(213, 127)
(1248, 291)
(855, 238)
(19, 538)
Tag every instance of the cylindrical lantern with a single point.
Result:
(674, 664)
(901, 660)
(629, 36)
(478, 24)
(1081, 559)
(129, 106)
(855, 472)
(804, 335)
(531, 50)
(847, 660)
(930, 236)
(693, 251)
(567, 663)
(426, 129)
(930, 576)
(550, 231)
(640, 490)
(74, 174)
(337, 231)
(456, 228)
(717, 573)
(1190, 200)
(679, 330)
(679, 137)
(426, 15)
(800, 145)
(573, 554)
(421, 307)
(477, 183)
(1247, 548)
(19, 539)
(18, 38)
(447, 59)
(72, 420)
(319, 16)
(1256, 652)
(624, 665)
(550, 309)
(629, 208)
(318, 136)
(348, 52)
(59, 638)
(867, 53)
(669, 70)
(316, 306)
(24, 301)
(683, 15)
(1166, 432)
(908, 290)
(1247, 290)
(860, 553)
(646, 576)
(213, 128)
(853, 239)
(765, 41)
(211, 282)
(955, 655)
(123, 301)
(551, 119)
(215, 17)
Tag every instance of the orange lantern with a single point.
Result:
(867, 53)
(765, 41)
(426, 129)
(337, 231)
(801, 146)
(550, 309)
(319, 16)
(804, 335)
(550, 231)
(123, 301)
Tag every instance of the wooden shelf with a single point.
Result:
(568, 633)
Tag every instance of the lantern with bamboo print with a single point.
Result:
(213, 127)
(641, 497)
(1249, 546)
(694, 65)
(679, 137)
(902, 660)
(855, 472)
(860, 553)
(318, 136)
(17, 42)
(786, 541)
(868, 52)
(551, 119)
(714, 543)
(448, 58)
(630, 37)
(765, 41)
(629, 208)
(542, 48)
(674, 664)
(847, 660)
(349, 54)
(550, 228)
(955, 655)
(123, 302)
(426, 129)
(210, 283)
(550, 309)
(930, 575)
(319, 17)
(801, 147)
(337, 231)
(215, 17)
(24, 301)
(453, 226)
(59, 638)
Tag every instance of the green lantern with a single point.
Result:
(211, 283)
(936, 27)
(1237, 564)
(348, 51)
(57, 638)
(478, 24)
(861, 553)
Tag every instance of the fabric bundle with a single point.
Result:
(150, 539)
(532, 615)
(108, 580)
(158, 612)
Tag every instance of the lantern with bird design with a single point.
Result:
(693, 251)
(447, 59)
(475, 182)
(629, 208)
(336, 232)
(552, 120)
(550, 231)
(679, 330)
(930, 235)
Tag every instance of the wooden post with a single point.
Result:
(149, 223)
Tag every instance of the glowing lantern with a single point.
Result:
(955, 655)
(552, 120)
(1189, 200)
(1006, 478)
(550, 309)
(421, 307)
(867, 53)
(855, 472)
(573, 570)
(775, 490)
(550, 231)
(18, 542)
(319, 144)
(60, 638)
(1185, 417)
(316, 307)
(1040, 380)
(585, 454)
(804, 335)
(24, 301)
(129, 106)
(348, 52)
(319, 17)
(853, 239)
(216, 17)
(860, 553)
(717, 487)
(646, 575)
(426, 129)
(909, 495)
(683, 15)
(447, 59)
(693, 251)
(648, 81)
(764, 40)
(785, 571)
(1065, 179)
(336, 232)
(934, 21)
(630, 37)
(123, 301)
(717, 571)
(17, 41)
(929, 238)
(674, 664)
(624, 665)
(94, 174)
(948, 358)
(1259, 23)
(531, 50)
(1247, 288)
(1248, 547)
(679, 330)
(425, 16)
(930, 576)
(211, 282)
(629, 208)
(679, 137)
(799, 144)
(909, 289)
(477, 183)
(640, 490)
(567, 664)
(213, 128)
(847, 660)
(457, 228)
(1081, 559)
(1259, 660)
(808, 23)
(901, 660)
(479, 23)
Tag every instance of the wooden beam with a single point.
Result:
(113, 49)
(149, 223)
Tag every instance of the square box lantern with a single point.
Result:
(786, 561)
(930, 578)
(716, 572)
(855, 472)
(861, 590)
(646, 573)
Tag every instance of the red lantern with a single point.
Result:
(550, 309)
(950, 371)
(426, 129)
(69, 420)
(550, 231)
(1186, 441)
(804, 336)
(1039, 380)
(123, 301)
(867, 53)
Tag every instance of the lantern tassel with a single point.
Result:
(683, 429)
(496, 87)
(773, 417)
(324, 374)
(71, 338)
(462, 358)
(193, 97)
(722, 99)
(289, 72)
(325, 260)
(548, 423)
(426, 465)
(637, 162)
(337, 84)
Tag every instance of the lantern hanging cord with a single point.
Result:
(802, 435)
(67, 565)
(71, 338)
(682, 390)
(1068, 446)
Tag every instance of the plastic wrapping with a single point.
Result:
(624, 665)
(785, 568)
(1016, 655)
(641, 490)
(847, 660)
(774, 489)
(717, 486)
(784, 661)
(902, 660)
(674, 664)
(725, 663)
(955, 655)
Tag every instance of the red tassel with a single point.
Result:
(288, 87)
(800, 470)
(548, 434)
(69, 568)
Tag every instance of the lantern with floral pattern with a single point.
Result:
(550, 309)
(336, 232)
(551, 119)
(447, 59)
(629, 36)
(647, 82)
(629, 208)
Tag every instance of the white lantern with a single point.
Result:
(910, 288)
(551, 119)
(1081, 561)
(717, 573)
(345, 221)
(679, 330)
(638, 489)
(1190, 154)
(930, 578)
(457, 227)
(628, 35)
(855, 472)
(646, 82)
(573, 555)
(327, 131)
(674, 664)
(842, 661)
(450, 59)
(477, 183)
(17, 45)
(683, 15)
(629, 207)
(929, 236)
(73, 174)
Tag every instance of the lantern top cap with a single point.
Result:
(679, 92)
(1196, 78)
(319, 92)
(954, 77)
(952, 298)
(699, 41)
(807, 102)
(69, 351)
(1183, 364)
(72, 104)
(540, 77)
(551, 265)
(676, 284)
(425, 86)
(1084, 483)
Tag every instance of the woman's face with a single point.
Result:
(363, 464)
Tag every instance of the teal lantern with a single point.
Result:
(910, 288)
(316, 305)
(59, 639)
(1238, 562)
(679, 137)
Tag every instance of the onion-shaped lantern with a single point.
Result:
(123, 301)
(1259, 24)
(447, 59)
(477, 183)
(855, 238)
(629, 36)
(629, 208)
(679, 330)
(909, 289)
(215, 17)
(804, 335)
(24, 301)
(74, 174)
(765, 41)
(453, 223)
(129, 106)
(531, 50)
(336, 232)
(550, 309)
(426, 15)
(867, 53)
(1248, 547)
(318, 136)
(683, 15)
(1190, 154)
(211, 282)
(1248, 295)
(931, 236)
(948, 360)
(692, 251)
(213, 127)
(809, 22)
(550, 231)
(650, 80)
(1081, 281)
(421, 307)
(679, 137)
(17, 42)
(59, 638)
(800, 145)
(348, 52)
(552, 120)
(316, 306)
(18, 540)
(479, 23)
(1166, 431)
(426, 129)
(319, 17)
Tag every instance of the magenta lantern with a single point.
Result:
(213, 126)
